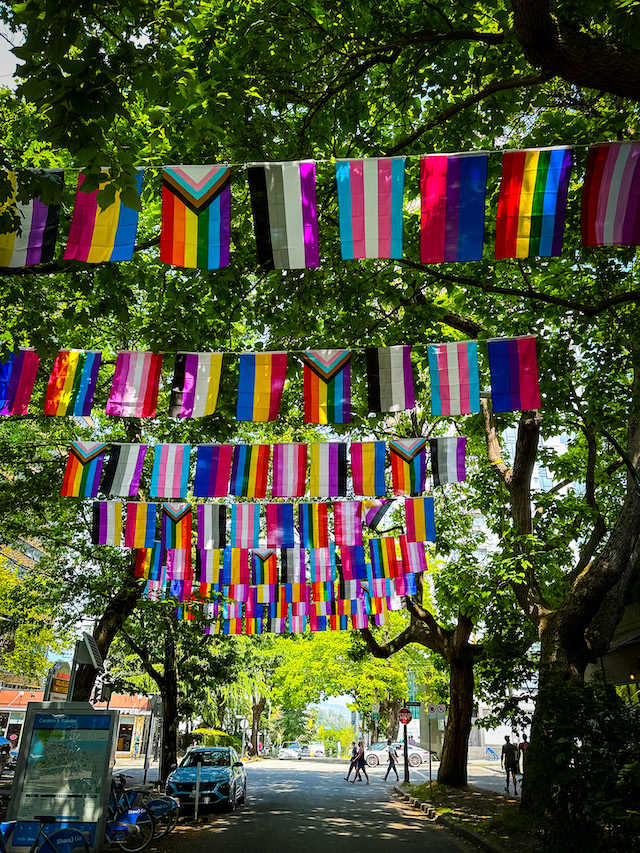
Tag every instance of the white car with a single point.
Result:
(289, 750)
(377, 754)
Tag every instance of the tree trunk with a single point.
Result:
(453, 764)
(257, 710)
(169, 691)
(392, 707)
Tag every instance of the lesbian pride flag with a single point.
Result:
(513, 365)
(72, 383)
(17, 378)
(134, 390)
(455, 379)
(347, 525)
(289, 470)
(260, 385)
(611, 195)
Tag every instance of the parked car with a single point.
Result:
(377, 754)
(223, 780)
(316, 749)
(289, 750)
(13, 760)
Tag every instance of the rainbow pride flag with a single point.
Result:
(390, 379)
(96, 234)
(175, 526)
(448, 463)
(367, 468)
(264, 564)
(250, 470)
(513, 365)
(122, 472)
(352, 563)
(149, 563)
(170, 475)
(196, 381)
(322, 564)
(196, 216)
(314, 525)
(134, 390)
(347, 525)
(327, 386)
(106, 528)
(245, 525)
(452, 192)
(213, 470)
(420, 517)
(455, 378)
(414, 558)
(408, 465)
(280, 530)
(322, 592)
(370, 207)
(384, 558)
(72, 383)
(140, 530)
(212, 526)
(84, 467)
(17, 378)
(328, 470)
(261, 385)
(532, 203)
(610, 214)
(289, 470)
(38, 226)
(285, 217)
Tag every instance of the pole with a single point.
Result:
(198, 769)
(429, 721)
(406, 755)
(147, 748)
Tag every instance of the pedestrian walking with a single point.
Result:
(523, 747)
(509, 760)
(361, 765)
(393, 760)
(352, 763)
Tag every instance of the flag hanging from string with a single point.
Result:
(250, 470)
(352, 562)
(327, 386)
(420, 517)
(179, 564)
(175, 526)
(212, 526)
(367, 468)
(347, 525)
(370, 194)
(328, 470)
(264, 566)
(106, 528)
(17, 378)
(610, 204)
(235, 568)
(280, 530)
(408, 465)
(83, 470)
(452, 192)
(513, 365)
(292, 565)
(213, 470)
(373, 511)
(140, 530)
(122, 471)
(314, 525)
(149, 563)
(195, 385)
(414, 558)
(285, 217)
(384, 559)
(72, 383)
(455, 379)
(134, 390)
(448, 460)
(289, 470)
(390, 379)
(36, 242)
(209, 567)
(322, 562)
(245, 525)
(196, 216)
(405, 584)
(170, 476)
(260, 385)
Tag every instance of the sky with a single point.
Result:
(7, 59)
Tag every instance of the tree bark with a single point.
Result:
(169, 693)
(257, 710)
(453, 761)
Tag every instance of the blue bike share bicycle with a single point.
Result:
(66, 840)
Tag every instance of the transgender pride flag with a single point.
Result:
(455, 380)
(370, 207)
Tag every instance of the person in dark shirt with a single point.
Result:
(509, 760)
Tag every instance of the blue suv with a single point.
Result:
(222, 777)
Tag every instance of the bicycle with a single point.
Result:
(65, 840)
(129, 827)
(165, 810)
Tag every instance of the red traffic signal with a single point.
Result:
(405, 716)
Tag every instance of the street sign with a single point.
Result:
(437, 712)
(405, 716)
(375, 717)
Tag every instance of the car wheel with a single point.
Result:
(372, 761)
(243, 797)
(415, 760)
(231, 802)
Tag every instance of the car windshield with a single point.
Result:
(213, 758)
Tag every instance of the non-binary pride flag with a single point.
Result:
(285, 217)
(107, 523)
(289, 470)
(196, 381)
(140, 531)
(532, 203)
(121, 474)
(134, 390)
(328, 470)
(84, 467)
(38, 227)
(408, 465)
(212, 526)
(448, 460)
(370, 207)
(170, 475)
(260, 385)
(327, 386)
(455, 379)
(245, 525)
(421, 525)
(452, 191)
(97, 234)
(611, 195)
(347, 525)
(17, 377)
(513, 365)
(390, 379)
(213, 470)
(250, 470)
(196, 216)
(367, 468)
(280, 526)
(314, 525)
(72, 383)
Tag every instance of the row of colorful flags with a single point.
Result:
(319, 469)
(196, 210)
(453, 371)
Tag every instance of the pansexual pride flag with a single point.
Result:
(280, 526)
(213, 470)
(250, 469)
(134, 390)
(285, 217)
(97, 235)
(84, 467)
(72, 383)
(212, 526)
(289, 470)
(455, 379)
(38, 227)
(347, 525)
(170, 475)
(611, 195)
(196, 216)
(370, 207)
(121, 474)
(175, 526)
(140, 531)
(513, 365)
(17, 377)
(414, 558)
(106, 528)
(408, 465)
(367, 468)
(452, 192)
(261, 385)
(384, 559)
(390, 379)
(448, 460)
(245, 525)
(314, 525)
(421, 525)
(328, 470)
(532, 202)
(196, 381)
(327, 386)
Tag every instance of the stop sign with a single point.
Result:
(405, 716)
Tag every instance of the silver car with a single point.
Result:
(377, 754)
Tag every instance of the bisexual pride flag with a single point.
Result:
(17, 378)
(280, 530)
(513, 365)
